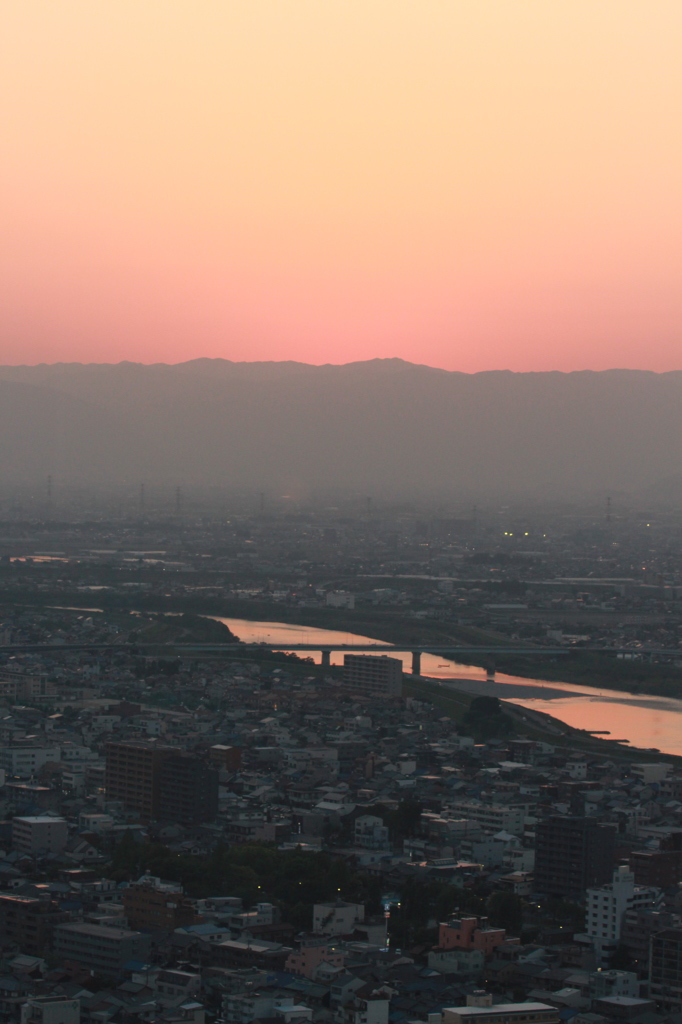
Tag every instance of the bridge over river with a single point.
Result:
(325, 649)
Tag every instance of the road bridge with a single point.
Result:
(451, 651)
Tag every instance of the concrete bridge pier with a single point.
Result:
(326, 657)
(416, 663)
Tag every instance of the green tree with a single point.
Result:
(485, 719)
(505, 910)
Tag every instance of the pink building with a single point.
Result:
(471, 933)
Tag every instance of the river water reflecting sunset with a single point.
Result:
(644, 721)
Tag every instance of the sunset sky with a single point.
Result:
(471, 184)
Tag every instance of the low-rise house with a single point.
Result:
(312, 953)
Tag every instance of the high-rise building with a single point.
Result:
(368, 673)
(572, 854)
(188, 789)
(639, 925)
(161, 783)
(132, 775)
(607, 907)
(665, 970)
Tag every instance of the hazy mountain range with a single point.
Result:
(383, 426)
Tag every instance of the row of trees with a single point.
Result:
(295, 880)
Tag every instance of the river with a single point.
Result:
(643, 721)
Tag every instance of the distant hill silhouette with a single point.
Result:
(380, 427)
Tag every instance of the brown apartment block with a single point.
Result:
(661, 868)
(161, 783)
(28, 922)
(188, 789)
(229, 758)
(132, 775)
(151, 905)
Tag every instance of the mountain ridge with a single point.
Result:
(379, 426)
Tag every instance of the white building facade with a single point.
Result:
(607, 906)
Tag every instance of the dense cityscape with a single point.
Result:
(201, 827)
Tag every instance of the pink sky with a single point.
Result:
(472, 184)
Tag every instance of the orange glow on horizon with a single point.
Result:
(472, 184)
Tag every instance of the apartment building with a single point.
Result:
(28, 922)
(151, 904)
(161, 783)
(22, 686)
(371, 674)
(101, 948)
(572, 854)
(607, 907)
(39, 834)
(665, 970)
(24, 758)
(492, 817)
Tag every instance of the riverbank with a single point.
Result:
(596, 671)
(566, 709)
(454, 698)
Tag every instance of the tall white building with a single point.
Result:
(607, 906)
